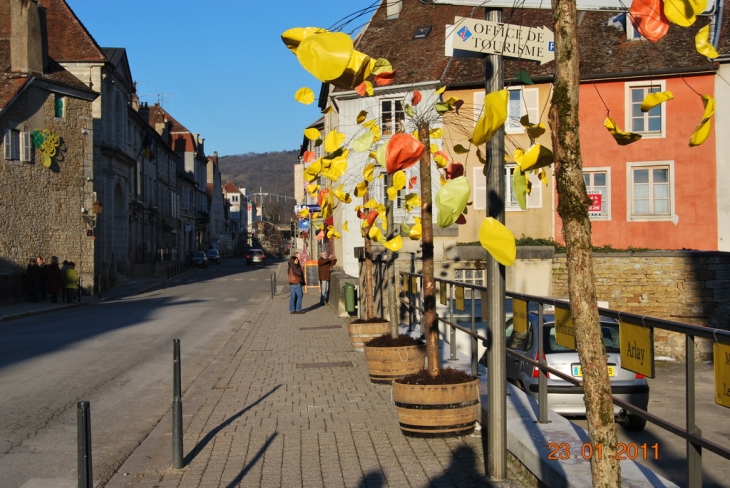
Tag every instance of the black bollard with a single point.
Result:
(83, 427)
(177, 431)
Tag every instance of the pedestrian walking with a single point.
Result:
(72, 283)
(33, 279)
(43, 274)
(55, 279)
(296, 281)
(324, 265)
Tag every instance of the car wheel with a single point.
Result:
(633, 423)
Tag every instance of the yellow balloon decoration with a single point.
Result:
(654, 99)
(395, 244)
(623, 138)
(538, 156)
(498, 241)
(312, 134)
(304, 95)
(417, 230)
(493, 117)
(375, 234)
(702, 43)
(326, 55)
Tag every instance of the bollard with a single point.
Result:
(83, 445)
(177, 431)
(273, 285)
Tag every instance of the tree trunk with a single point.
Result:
(573, 206)
(392, 298)
(369, 293)
(430, 323)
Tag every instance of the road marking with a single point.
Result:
(239, 279)
(231, 300)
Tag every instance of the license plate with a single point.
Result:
(578, 372)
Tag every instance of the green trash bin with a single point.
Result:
(350, 305)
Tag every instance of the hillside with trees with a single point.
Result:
(271, 172)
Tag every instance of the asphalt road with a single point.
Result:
(667, 401)
(118, 356)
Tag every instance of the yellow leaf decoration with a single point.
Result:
(416, 231)
(538, 156)
(533, 130)
(381, 154)
(362, 116)
(399, 180)
(493, 117)
(542, 174)
(702, 132)
(372, 203)
(395, 244)
(437, 133)
(341, 195)
(382, 66)
(325, 55)
(683, 12)
(346, 227)
(361, 188)
(433, 148)
(369, 172)
(365, 89)
(304, 213)
(702, 43)
(459, 149)
(623, 138)
(412, 200)
(440, 90)
(451, 200)
(654, 99)
(392, 193)
(333, 169)
(375, 234)
(304, 95)
(312, 134)
(498, 241)
(312, 171)
(374, 127)
(332, 233)
(334, 141)
(313, 189)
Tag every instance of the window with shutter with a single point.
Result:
(479, 184)
(11, 144)
(521, 101)
(7, 148)
(26, 149)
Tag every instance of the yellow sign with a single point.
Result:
(564, 333)
(405, 284)
(637, 348)
(519, 316)
(722, 374)
(414, 284)
(442, 293)
(460, 298)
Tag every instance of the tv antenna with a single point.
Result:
(161, 98)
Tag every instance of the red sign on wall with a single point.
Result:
(597, 202)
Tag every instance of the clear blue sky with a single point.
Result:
(219, 66)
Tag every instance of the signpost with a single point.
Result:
(514, 41)
(564, 333)
(722, 373)
(637, 348)
(519, 315)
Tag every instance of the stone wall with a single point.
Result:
(40, 208)
(682, 286)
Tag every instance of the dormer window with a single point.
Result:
(422, 32)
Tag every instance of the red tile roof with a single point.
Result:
(68, 39)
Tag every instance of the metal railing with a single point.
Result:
(691, 433)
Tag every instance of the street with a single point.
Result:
(118, 356)
(667, 400)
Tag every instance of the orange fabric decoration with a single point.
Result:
(322, 193)
(416, 97)
(361, 89)
(649, 19)
(412, 182)
(360, 214)
(384, 79)
(403, 151)
(309, 156)
(372, 215)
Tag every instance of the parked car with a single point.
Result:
(198, 258)
(255, 256)
(563, 397)
(213, 256)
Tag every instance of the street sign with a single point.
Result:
(637, 348)
(509, 40)
(722, 374)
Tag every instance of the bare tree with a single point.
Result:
(573, 206)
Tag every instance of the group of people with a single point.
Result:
(52, 279)
(297, 280)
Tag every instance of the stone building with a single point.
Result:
(48, 205)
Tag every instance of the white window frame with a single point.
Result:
(632, 34)
(17, 145)
(630, 216)
(479, 185)
(393, 127)
(534, 199)
(478, 277)
(657, 85)
(607, 202)
(185, 199)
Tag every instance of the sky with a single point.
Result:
(219, 66)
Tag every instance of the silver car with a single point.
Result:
(563, 397)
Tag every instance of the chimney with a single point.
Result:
(393, 8)
(26, 37)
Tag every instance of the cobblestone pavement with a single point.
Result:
(289, 403)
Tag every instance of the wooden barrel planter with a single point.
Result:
(436, 410)
(360, 333)
(386, 364)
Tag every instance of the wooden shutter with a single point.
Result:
(26, 148)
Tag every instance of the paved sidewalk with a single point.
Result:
(289, 403)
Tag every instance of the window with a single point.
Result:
(650, 190)
(392, 118)
(521, 101)
(17, 145)
(59, 106)
(534, 198)
(632, 33)
(185, 204)
(598, 183)
(648, 124)
(479, 183)
(471, 277)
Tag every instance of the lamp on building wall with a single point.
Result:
(98, 207)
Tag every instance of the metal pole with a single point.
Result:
(474, 343)
(392, 298)
(177, 430)
(83, 445)
(273, 285)
(452, 336)
(542, 379)
(694, 452)
(497, 352)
